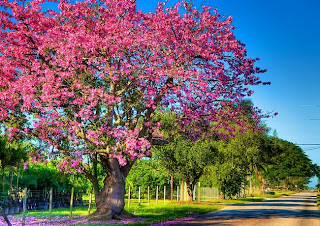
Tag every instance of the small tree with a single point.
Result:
(187, 159)
(12, 155)
(146, 173)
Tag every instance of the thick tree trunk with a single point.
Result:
(110, 200)
(223, 193)
(251, 190)
(264, 186)
(190, 188)
(263, 181)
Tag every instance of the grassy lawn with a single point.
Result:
(153, 213)
(235, 201)
(277, 194)
(76, 211)
(318, 200)
(169, 211)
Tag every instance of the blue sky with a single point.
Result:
(285, 35)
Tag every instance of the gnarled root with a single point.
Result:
(109, 215)
(124, 215)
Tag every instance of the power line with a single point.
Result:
(310, 105)
(312, 148)
(308, 144)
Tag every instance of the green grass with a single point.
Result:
(169, 211)
(318, 200)
(152, 213)
(163, 211)
(235, 201)
(76, 211)
(277, 194)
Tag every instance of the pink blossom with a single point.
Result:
(54, 67)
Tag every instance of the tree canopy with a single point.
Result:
(89, 78)
(12, 153)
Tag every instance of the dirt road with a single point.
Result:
(294, 210)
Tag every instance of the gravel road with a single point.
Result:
(294, 210)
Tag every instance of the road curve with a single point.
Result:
(294, 210)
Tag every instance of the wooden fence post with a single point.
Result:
(90, 200)
(129, 198)
(182, 191)
(71, 201)
(157, 195)
(50, 204)
(171, 188)
(177, 193)
(199, 191)
(24, 207)
(139, 194)
(185, 196)
(148, 194)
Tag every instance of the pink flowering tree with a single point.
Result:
(88, 78)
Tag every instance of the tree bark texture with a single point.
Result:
(190, 188)
(110, 199)
(263, 181)
(223, 193)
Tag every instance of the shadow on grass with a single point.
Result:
(76, 211)
(165, 212)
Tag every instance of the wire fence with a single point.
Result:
(161, 194)
(12, 202)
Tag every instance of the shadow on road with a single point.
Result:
(298, 206)
(222, 217)
(275, 204)
(291, 200)
(263, 213)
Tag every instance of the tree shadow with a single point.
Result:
(291, 200)
(268, 209)
(276, 204)
(222, 217)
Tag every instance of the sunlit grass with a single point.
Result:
(318, 200)
(76, 211)
(169, 211)
(278, 194)
(236, 201)
(153, 212)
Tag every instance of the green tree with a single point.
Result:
(12, 154)
(187, 159)
(43, 176)
(146, 172)
(290, 166)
